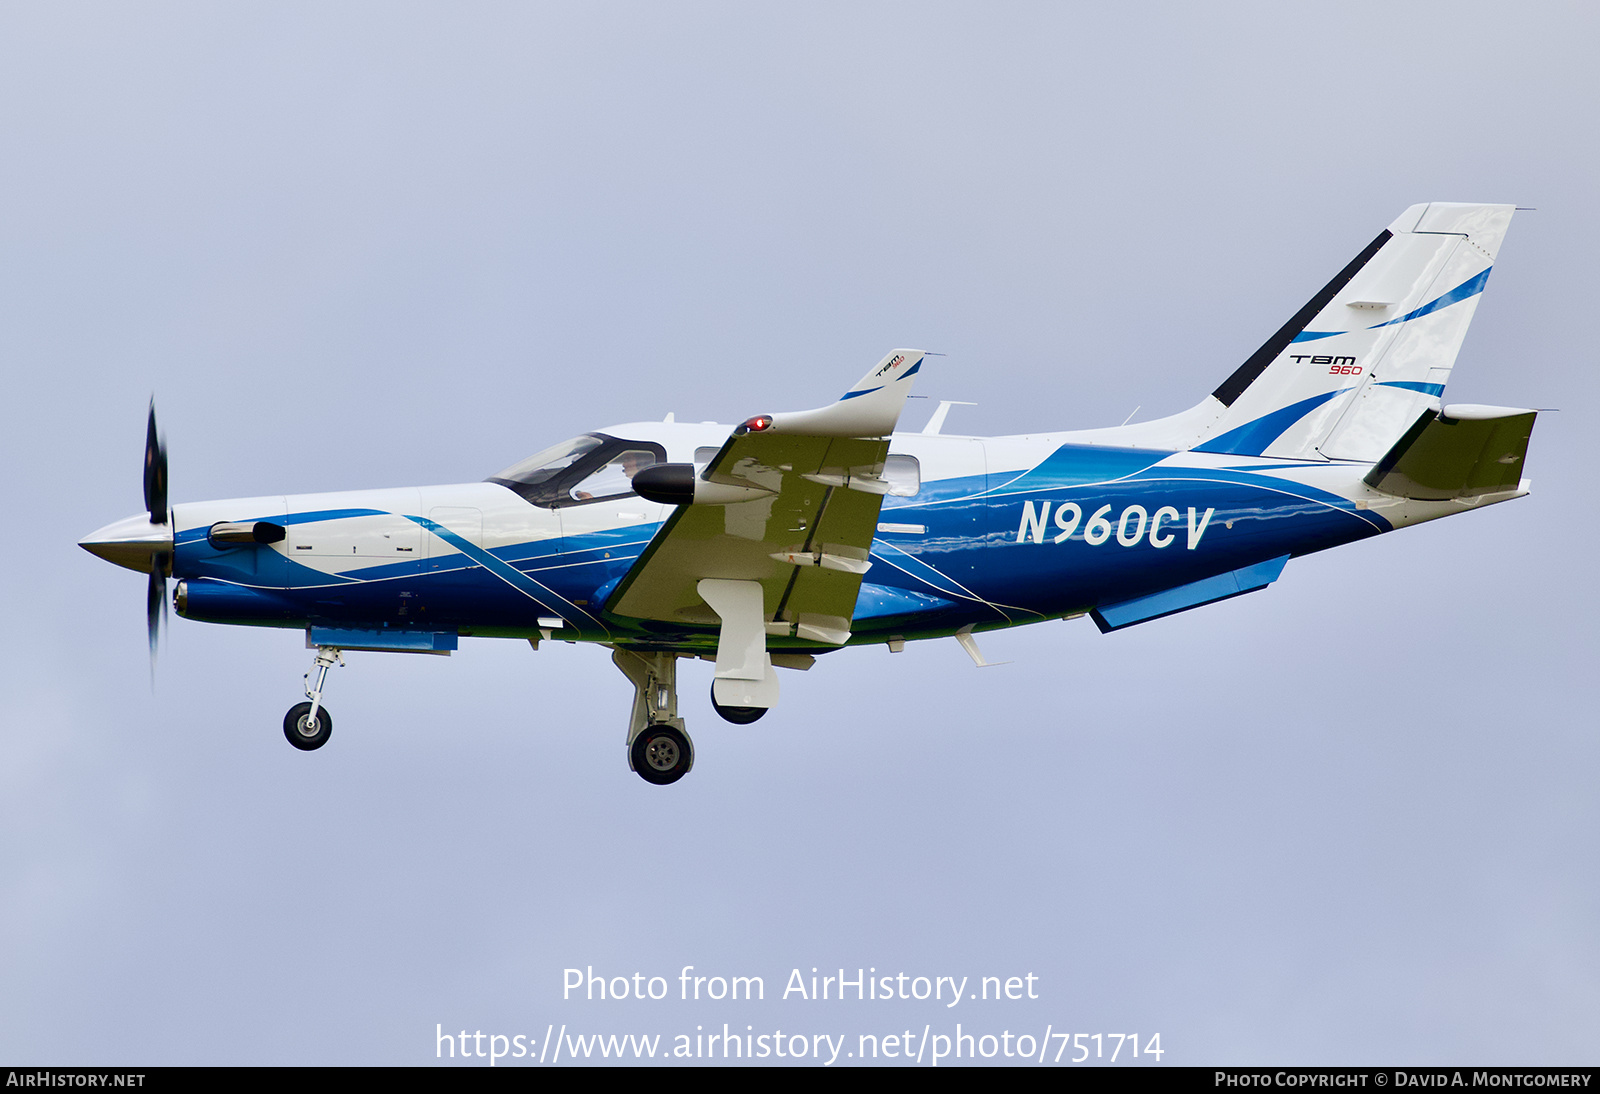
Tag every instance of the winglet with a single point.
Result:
(870, 409)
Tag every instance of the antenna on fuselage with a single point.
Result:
(936, 422)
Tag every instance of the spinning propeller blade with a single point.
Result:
(155, 471)
(155, 607)
(155, 500)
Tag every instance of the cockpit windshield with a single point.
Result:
(546, 465)
(592, 467)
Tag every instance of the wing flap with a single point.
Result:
(806, 540)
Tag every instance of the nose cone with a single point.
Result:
(133, 542)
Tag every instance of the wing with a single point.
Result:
(790, 502)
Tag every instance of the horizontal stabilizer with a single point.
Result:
(1462, 451)
(1113, 617)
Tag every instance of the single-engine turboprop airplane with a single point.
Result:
(796, 534)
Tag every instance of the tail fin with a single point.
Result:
(1350, 373)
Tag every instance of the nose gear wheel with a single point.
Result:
(304, 733)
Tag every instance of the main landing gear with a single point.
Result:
(658, 748)
(309, 725)
(661, 754)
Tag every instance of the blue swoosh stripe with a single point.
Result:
(190, 535)
(539, 594)
(1270, 482)
(1077, 465)
(912, 371)
(1252, 438)
(1414, 385)
(1467, 289)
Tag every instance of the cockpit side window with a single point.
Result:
(614, 477)
(593, 467)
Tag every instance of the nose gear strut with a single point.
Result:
(309, 725)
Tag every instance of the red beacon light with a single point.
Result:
(759, 424)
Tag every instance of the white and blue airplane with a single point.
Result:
(797, 534)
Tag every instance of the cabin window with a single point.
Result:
(904, 475)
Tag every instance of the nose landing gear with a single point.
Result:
(305, 732)
(309, 725)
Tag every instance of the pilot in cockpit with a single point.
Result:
(615, 476)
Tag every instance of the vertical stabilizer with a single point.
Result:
(1351, 371)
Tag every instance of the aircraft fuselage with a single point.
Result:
(999, 531)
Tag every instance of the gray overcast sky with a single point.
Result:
(1347, 820)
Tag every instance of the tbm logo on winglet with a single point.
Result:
(1129, 529)
(899, 357)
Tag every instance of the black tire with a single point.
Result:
(739, 716)
(294, 727)
(662, 755)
